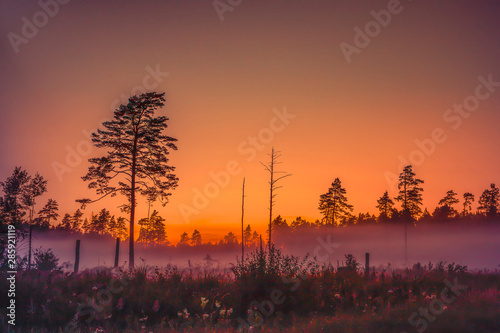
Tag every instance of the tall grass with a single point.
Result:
(311, 298)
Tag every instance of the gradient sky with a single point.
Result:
(352, 120)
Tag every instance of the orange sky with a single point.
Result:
(225, 78)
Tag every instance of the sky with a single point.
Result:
(345, 89)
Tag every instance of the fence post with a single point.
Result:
(367, 264)
(117, 252)
(77, 255)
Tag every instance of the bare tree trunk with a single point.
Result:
(77, 256)
(271, 199)
(272, 186)
(132, 207)
(242, 215)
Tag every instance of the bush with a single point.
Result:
(265, 273)
(46, 261)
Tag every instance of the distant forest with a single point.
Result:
(20, 191)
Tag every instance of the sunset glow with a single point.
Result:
(226, 80)
(250, 166)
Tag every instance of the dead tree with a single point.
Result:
(242, 215)
(275, 177)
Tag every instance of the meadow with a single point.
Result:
(268, 292)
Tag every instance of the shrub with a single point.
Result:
(46, 261)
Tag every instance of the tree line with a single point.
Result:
(337, 211)
(17, 205)
(136, 164)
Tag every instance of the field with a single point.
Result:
(269, 292)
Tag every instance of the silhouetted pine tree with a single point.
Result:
(230, 238)
(99, 223)
(410, 194)
(76, 221)
(445, 210)
(247, 235)
(152, 230)
(136, 160)
(279, 224)
(384, 206)
(333, 204)
(116, 227)
(255, 238)
(48, 213)
(196, 238)
(65, 224)
(184, 239)
(489, 202)
(299, 223)
(20, 191)
(468, 200)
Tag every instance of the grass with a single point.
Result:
(269, 292)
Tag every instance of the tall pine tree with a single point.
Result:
(136, 159)
(384, 206)
(410, 193)
(489, 202)
(333, 204)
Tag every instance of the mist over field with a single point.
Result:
(476, 246)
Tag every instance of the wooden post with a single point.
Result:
(117, 252)
(77, 255)
(29, 247)
(367, 264)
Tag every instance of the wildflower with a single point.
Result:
(204, 302)
(156, 306)
(99, 330)
(144, 319)
(108, 317)
(217, 304)
(229, 311)
(205, 316)
(75, 318)
(222, 312)
(185, 313)
(119, 305)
